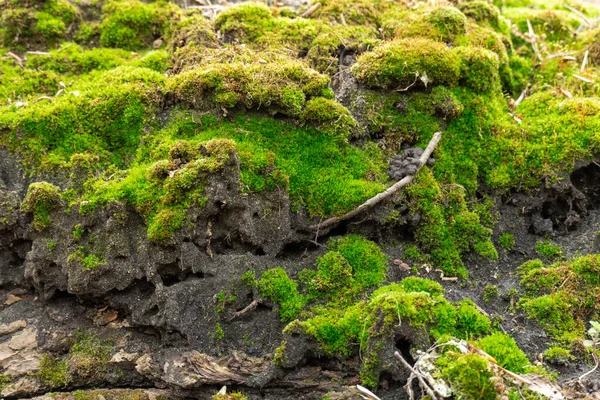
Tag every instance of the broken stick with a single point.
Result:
(388, 192)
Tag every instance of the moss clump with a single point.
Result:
(479, 68)
(282, 85)
(193, 30)
(89, 356)
(548, 249)
(481, 11)
(132, 24)
(35, 23)
(244, 22)
(505, 351)
(507, 240)
(41, 199)
(447, 238)
(562, 297)
(443, 23)
(468, 375)
(489, 293)
(276, 286)
(329, 116)
(558, 355)
(401, 62)
(86, 258)
(54, 372)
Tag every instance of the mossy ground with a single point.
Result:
(149, 127)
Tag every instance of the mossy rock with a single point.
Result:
(403, 62)
(42, 199)
(439, 23)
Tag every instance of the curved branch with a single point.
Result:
(387, 193)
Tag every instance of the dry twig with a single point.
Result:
(416, 374)
(311, 10)
(387, 193)
(246, 309)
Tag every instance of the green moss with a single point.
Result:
(245, 22)
(51, 245)
(447, 238)
(481, 11)
(468, 375)
(4, 381)
(556, 25)
(281, 85)
(193, 30)
(396, 63)
(276, 286)
(329, 116)
(443, 23)
(479, 68)
(86, 258)
(104, 119)
(490, 292)
(54, 372)
(42, 198)
(507, 240)
(505, 351)
(78, 231)
(132, 24)
(219, 333)
(558, 355)
(279, 357)
(89, 356)
(369, 264)
(561, 296)
(548, 249)
(38, 23)
(73, 59)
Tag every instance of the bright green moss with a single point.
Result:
(561, 296)
(479, 68)
(41, 199)
(276, 286)
(54, 372)
(329, 116)
(356, 12)
(78, 231)
(104, 119)
(282, 85)
(507, 240)
(86, 258)
(446, 239)
(369, 264)
(548, 249)
(396, 63)
(219, 333)
(468, 375)
(334, 273)
(505, 351)
(132, 24)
